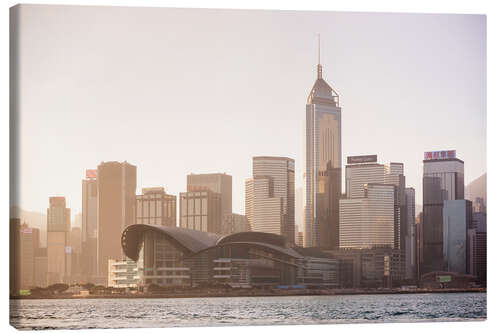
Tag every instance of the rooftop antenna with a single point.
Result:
(319, 49)
(320, 69)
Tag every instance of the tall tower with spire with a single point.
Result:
(323, 164)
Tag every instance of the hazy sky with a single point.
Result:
(175, 91)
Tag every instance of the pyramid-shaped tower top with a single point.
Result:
(321, 92)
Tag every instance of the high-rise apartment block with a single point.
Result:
(443, 179)
(58, 241)
(154, 206)
(323, 165)
(200, 210)
(270, 196)
(217, 183)
(116, 185)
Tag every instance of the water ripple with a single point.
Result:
(224, 311)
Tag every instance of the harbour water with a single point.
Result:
(219, 311)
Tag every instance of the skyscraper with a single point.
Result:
(200, 210)
(479, 222)
(361, 170)
(154, 206)
(41, 265)
(299, 238)
(323, 163)
(58, 241)
(411, 235)
(271, 196)
(443, 179)
(234, 223)
(478, 205)
(457, 220)
(76, 255)
(116, 185)
(364, 170)
(14, 256)
(217, 183)
(89, 225)
(394, 174)
(30, 242)
(368, 222)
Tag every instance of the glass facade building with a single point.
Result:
(443, 179)
(457, 221)
(323, 166)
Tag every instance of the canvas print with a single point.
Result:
(208, 167)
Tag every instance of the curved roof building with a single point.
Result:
(178, 256)
(190, 241)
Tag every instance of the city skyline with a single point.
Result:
(206, 154)
(276, 88)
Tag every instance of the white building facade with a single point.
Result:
(270, 196)
(368, 222)
(122, 274)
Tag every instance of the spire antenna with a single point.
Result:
(320, 69)
(319, 49)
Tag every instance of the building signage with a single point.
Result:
(26, 230)
(440, 155)
(91, 173)
(361, 159)
(67, 249)
(444, 278)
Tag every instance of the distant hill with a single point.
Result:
(34, 220)
(476, 188)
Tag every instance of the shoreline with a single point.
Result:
(257, 293)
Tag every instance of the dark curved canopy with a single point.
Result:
(191, 241)
(253, 236)
(279, 249)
